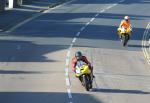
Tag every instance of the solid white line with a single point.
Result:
(24, 22)
(35, 16)
(67, 81)
(78, 34)
(62, 4)
(69, 93)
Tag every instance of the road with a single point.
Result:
(35, 57)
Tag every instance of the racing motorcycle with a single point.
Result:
(84, 73)
(124, 34)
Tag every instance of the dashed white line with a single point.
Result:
(78, 34)
(102, 11)
(68, 54)
(74, 40)
(82, 28)
(66, 74)
(87, 23)
(69, 93)
(71, 45)
(109, 7)
(67, 61)
(92, 19)
(67, 81)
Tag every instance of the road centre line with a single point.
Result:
(67, 81)
(87, 23)
(102, 11)
(82, 28)
(71, 45)
(96, 14)
(92, 19)
(74, 40)
(78, 34)
(69, 93)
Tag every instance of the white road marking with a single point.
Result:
(74, 40)
(87, 23)
(82, 28)
(109, 7)
(66, 72)
(68, 54)
(70, 47)
(23, 22)
(67, 81)
(36, 16)
(144, 49)
(78, 34)
(102, 11)
(96, 14)
(69, 93)
(92, 19)
(67, 62)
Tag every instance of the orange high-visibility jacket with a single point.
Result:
(125, 24)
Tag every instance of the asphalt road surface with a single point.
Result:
(34, 58)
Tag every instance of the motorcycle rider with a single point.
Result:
(79, 56)
(125, 24)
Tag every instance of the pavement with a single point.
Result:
(11, 17)
(35, 64)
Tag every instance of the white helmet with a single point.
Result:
(126, 17)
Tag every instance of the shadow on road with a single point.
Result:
(114, 1)
(45, 97)
(63, 25)
(26, 51)
(18, 72)
(120, 91)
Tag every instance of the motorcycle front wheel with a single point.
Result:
(86, 82)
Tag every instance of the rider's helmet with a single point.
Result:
(78, 55)
(126, 18)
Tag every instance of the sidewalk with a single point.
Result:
(12, 17)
